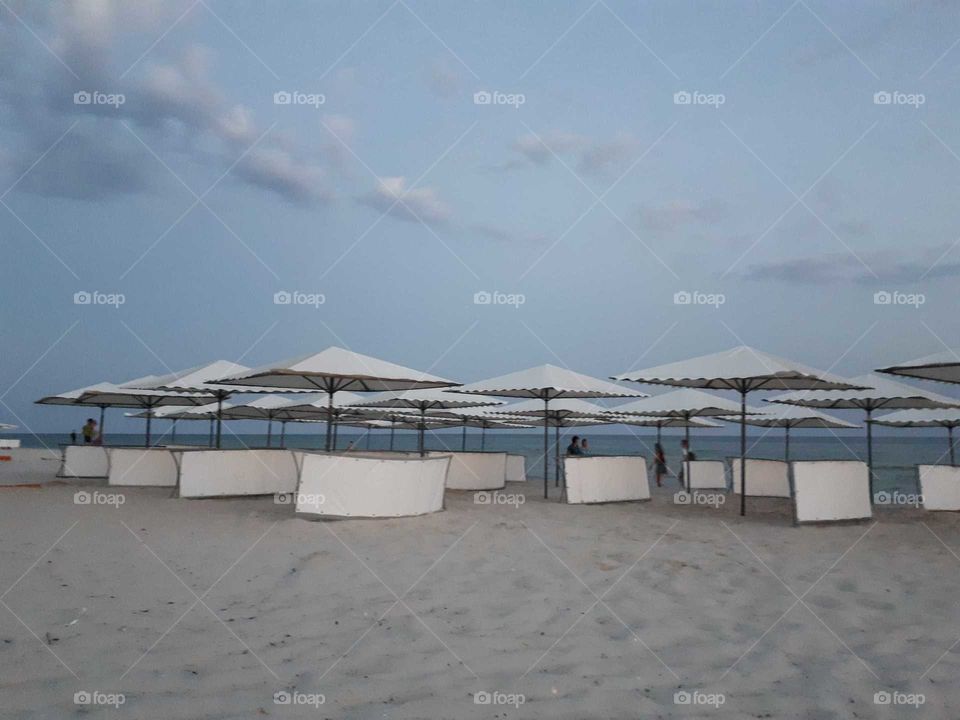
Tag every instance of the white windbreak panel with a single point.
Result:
(475, 470)
(831, 490)
(606, 479)
(84, 461)
(150, 467)
(940, 486)
(220, 473)
(765, 478)
(707, 475)
(516, 468)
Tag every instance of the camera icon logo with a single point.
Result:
(282, 98)
(82, 98)
(883, 498)
(482, 298)
(681, 498)
(482, 97)
(482, 698)
(882, 98)
(682, 98)
(882, 297)
(282, 298)
(682, 697)
(81, 697)
(82, 497)
(882, 698)
(481, 498)
(682, 298)
(282, 697)
(82, 298)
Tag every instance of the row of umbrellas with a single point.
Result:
(555, 397)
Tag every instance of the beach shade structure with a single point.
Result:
(210, 412)
(336, 370)
(563, 412)
(789, 417)
(547, 383)
(743, 370)
(948, 418)
(941, 367)
(485, 421)
(877, 392)
(267, 407)
(425, 400)
(197, 379)
(122, 396)
(7, 426)
(319, 408)
(658, 422)
(73, 397)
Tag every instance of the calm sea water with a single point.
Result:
(895, 457)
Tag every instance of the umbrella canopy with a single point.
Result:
(336, 370)
(941, 367)
(75, 397)
(789, 417)
(266, 407)
(948, 418)
(682, 403)
(742, 369)
(878, 392)
(7, 426)
(330, 409)
(547, 383)
(424, 400)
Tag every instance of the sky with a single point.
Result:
(471, 188)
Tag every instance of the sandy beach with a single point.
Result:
(209, 608)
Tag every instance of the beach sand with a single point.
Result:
(207, 608)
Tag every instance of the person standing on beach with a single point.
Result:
(584, 447)
(688, 456)
(89, 431)
(574, 447)
(73, 437)
(660, 463)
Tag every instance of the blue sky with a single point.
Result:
(783, 206)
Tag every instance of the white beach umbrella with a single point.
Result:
(73, 397)
(547, 383)
(423, 401)
(7, 426)
(210, 412)
(789, 417)
(486, 421)
(878, 393)
(336, 370)
(743, 370)
(948, 418)
(318, 406)
(941, 367)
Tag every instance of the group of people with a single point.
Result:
(90, 433)
(580, 446)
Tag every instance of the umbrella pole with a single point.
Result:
(463, 439)
(556, 456)
(423, 429)
(950, 438)
(149, 418)
(219, 419)
(103, 409)
(686, 459)
(335, 428)
(173, 431)
(483, 438)
(283, 432)
(392, 428)
(658, 433)
(870, 452)
(329, 420)
(369, 433)
(546, 449)
(786, 443)
(743, 451)
(210, 439)
(269, 431)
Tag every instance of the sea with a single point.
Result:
(895, 457)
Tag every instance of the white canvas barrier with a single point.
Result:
(706, 475)
(9, 443)
(226, 473)
(831, 490)
(940, 487)
(765, 478)
(150, 467)
(84, 461)
(352, 485)
(598, 479)
(475, 470)
(516, 468)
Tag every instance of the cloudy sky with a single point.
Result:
(788, 168)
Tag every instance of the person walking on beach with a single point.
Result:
(688, 457)
(574, 447)
(660, 463)
(73, 437)
(89, 431)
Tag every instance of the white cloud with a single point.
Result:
(415, 204)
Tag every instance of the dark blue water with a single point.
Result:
(895, 457)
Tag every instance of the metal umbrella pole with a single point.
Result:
(546, 447)
(686, 458)
(173, 431)
(950, 440)
(483, 437)
(463, 440)
(103, 409)
(786, 443)
(329, 439)
(220, 396)
(743, 450)
(210, 439)
(283, 432)
(393, 426)
(333, 422)
(556, 455)
(870, 450)
(423, 430)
